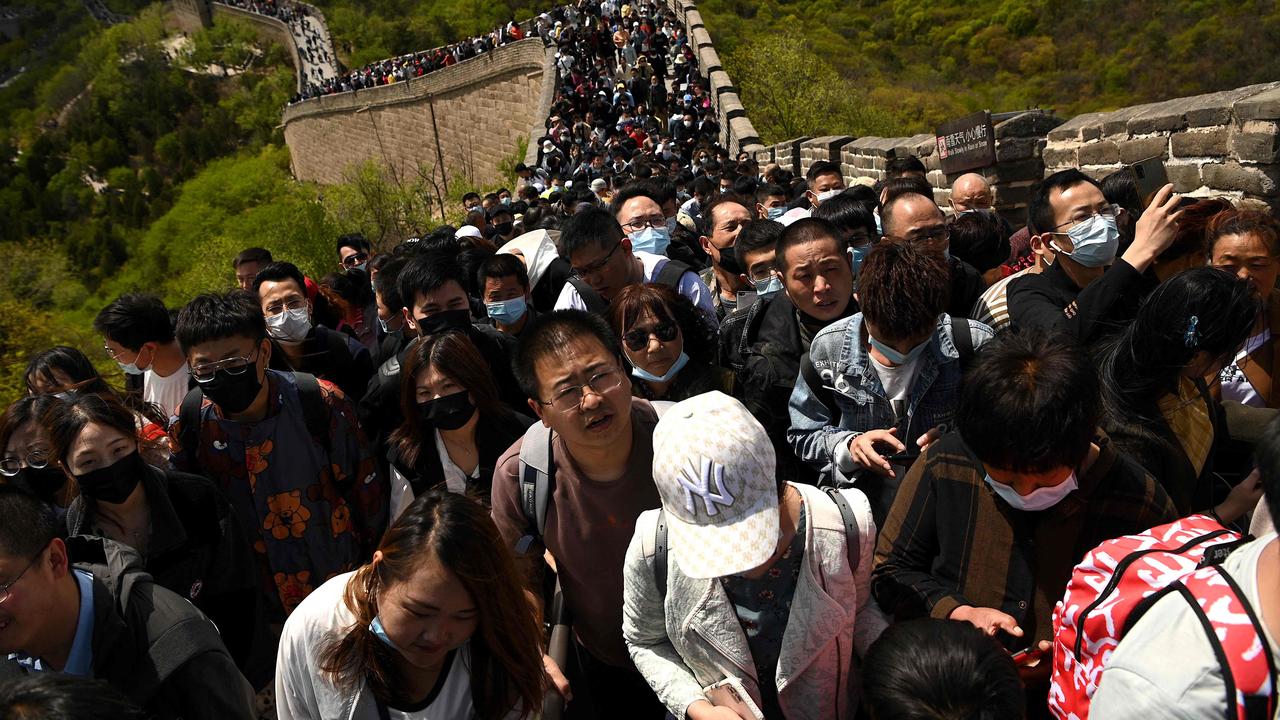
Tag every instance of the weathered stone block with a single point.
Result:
(1212, 143)
(1184, 176)
(1166, 116)
(1014, 171)
(1072, 129)
(1117, 123)
(1257, 141)
(1016, 148)
(1131, 151)
(1035, 123)
(1262, 106)
(1255, 180)
(1103, 152)
(1061, 155)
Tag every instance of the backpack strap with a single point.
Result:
(671, 273)
(853, 538)
(819, 390)
(962, 336)
(660, 553)
(189, 417)
(314, 410)
(595, 304)
(537, 483)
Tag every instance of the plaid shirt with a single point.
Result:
(979, 551)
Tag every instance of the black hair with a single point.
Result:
(27, 523)
(351, 284)
(906, 185)
(58, 696)
(258, 255)
(905, 165)
(1267, 458)
(632, 190)
(1120, 188)
(820, 168)
(355, 241)
(500, 209)
(214, 316)
(385, 283)
(904, 288)
(803, 231)
(72, 362)
(745, 186)
(591, 227)
(277, 272)
(847, 214)
(764, 192)
(702, 185)
(978, 237)
(549, 334)
(470, 196)
(427, 273)
(500, 266)
(1037, 387)
(1040, 215)
(886, 213)
(758, 235)
(471, 260)
(708, 223)
(930, 669)
(863, 194)
(377, 262)
(134, 320)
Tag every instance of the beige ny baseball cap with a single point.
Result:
(716, 472)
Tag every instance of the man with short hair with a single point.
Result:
(85, 607)
(755, 249)
(353, 251)
(601, 447)
(771, 201)
(898, 167)
(138, 334)
(300, 344)
(1084, 292)
(825, 181)
(917, 219)
(726, 278)
(284, 448)
(971, 192)
(502, 223)
(246, 265)
(504, 289)
(604, 262)
(530, 178)
(471, 202)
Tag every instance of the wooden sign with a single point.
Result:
(968, 143)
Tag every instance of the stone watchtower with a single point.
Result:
(193, 14)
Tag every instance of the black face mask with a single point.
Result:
(444, 321)
(233, 393)
(449, 412)
(113, 483)
(504, 228)
(729, 260)
(43, 482)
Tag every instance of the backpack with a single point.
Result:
(314, 411)
(1118, 581)
(537, 479)
(669, 275)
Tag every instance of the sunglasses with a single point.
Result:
(638, 338)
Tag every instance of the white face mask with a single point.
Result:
(290, 325)
(826, 195)
(1039, 499)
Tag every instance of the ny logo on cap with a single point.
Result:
(699, 483)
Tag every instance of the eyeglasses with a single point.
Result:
(638, 338)
(596, 266)
(940, 234)
(638, 224)
(1106, 211)
(36, 459)
(295, 304)
(351, 261)
(4, 589)
(571, 397)
(231, 366)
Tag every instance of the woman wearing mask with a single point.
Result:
(181, 525)
(666, 340)
(28, 460)
(455, 428)
(1157, 407)
(436, 626)
(1247, 244)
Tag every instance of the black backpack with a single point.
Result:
(669, 275)
(314, 411)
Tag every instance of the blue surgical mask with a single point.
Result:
(776, 212)
(767, 287)
(671, 372)
(671, 226)
(507, 312)
(651, 240)
(896, 357)
(856, 256)
(379, 632)
(1038, 499)
(1095, 241)
(130, 368)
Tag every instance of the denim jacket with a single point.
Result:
(839, 355)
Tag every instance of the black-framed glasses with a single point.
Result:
(1110, 210)
(295, 304)
(638, 338)
(571, 397)
(351, 261)
(596, 266)
(12, 464)
(654, 221)
(4, 589)
(231, 366)
(939, 234)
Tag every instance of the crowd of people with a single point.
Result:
(315, 50)
(664, 433)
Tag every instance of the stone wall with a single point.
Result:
(465, 119)
(1220, 144)
(270, 27)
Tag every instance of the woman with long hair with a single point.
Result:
(666, 342)
(437, 625)
(1157, 406)
(1246, 243)
(27, 459)
(454, 427)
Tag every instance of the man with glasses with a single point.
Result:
(138, 334)
(63, 609)
(916, 219)
(354, 251)
(298, 343)
(1084, 291)
(601, 479)
(604, 262)
(284, 447)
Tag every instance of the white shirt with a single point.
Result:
(690, 286)
(1235, 384)
(166, 392)
(897, 380)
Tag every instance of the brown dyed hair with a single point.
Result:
(506, 649)
(453, 354)
(665, 304)
(1194, 219)
(1243, 222)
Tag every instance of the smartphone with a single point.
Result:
(1029, 656)
(1148, 177)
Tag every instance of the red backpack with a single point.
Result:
(1118, 581)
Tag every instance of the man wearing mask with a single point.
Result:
(987, 531)
(353, 252)
(301, 345)
(1084, 291)
(916, 219)
(771, 202)
(138, 334)
(504, 288)
(502, 224)
(285, 448)
(723, 220)
(825, 182)
(636, 200)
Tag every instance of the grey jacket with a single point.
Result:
(692, 638)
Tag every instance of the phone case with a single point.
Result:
(730, 693)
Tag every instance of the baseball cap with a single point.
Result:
(467, 231)
(715, 469)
